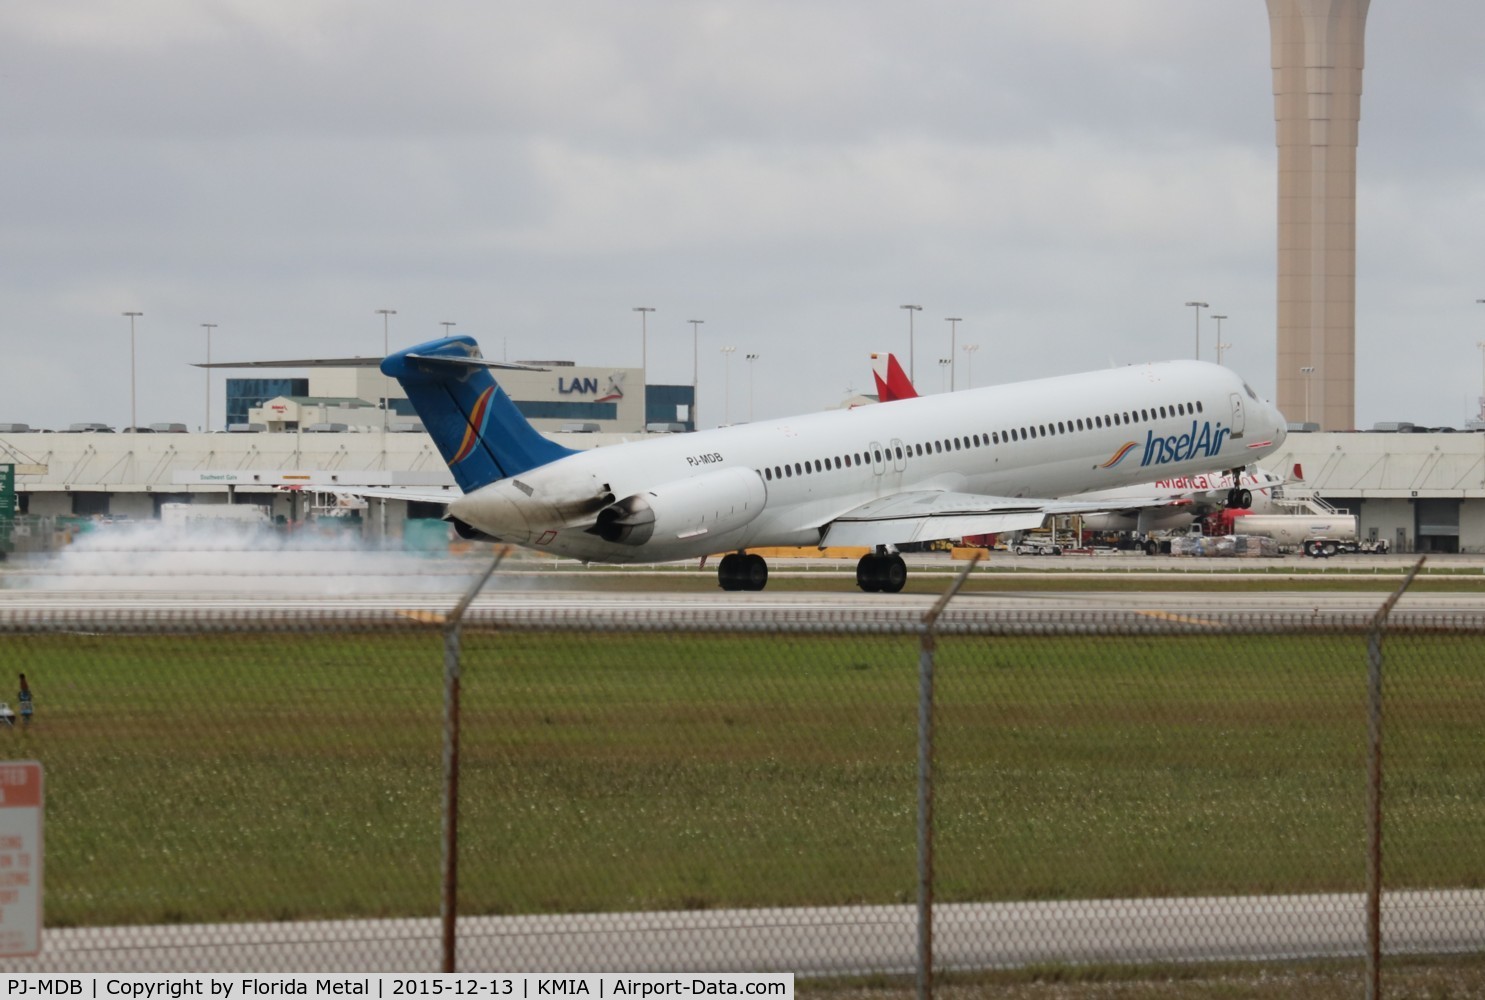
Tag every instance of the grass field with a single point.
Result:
(296, 774)
(1454, 978)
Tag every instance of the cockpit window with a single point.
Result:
(1249, 390)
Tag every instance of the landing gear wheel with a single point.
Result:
(742, 571)
(730, 572)
(753, 572)
(894, 574)
(881, 573)
(1238, 498)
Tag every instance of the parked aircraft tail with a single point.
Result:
(478, 430)
(892, 381)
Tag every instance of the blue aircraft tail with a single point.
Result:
(478, 430)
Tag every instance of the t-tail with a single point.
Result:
(478, 430)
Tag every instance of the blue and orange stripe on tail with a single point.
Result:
(478, 430)
(475, 429)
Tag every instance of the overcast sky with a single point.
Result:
(1062, 174)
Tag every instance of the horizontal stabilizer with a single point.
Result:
(373, 363)
(412, 494)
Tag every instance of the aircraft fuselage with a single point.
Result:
(782, 482)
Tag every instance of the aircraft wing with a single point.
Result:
(931, 515)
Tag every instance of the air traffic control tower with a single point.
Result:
(1318, 49)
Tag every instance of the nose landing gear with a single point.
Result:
(1239, 498)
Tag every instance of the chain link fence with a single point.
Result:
(233, 789)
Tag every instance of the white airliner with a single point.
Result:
(971, 462)
(1187, 497)
(1190, 497)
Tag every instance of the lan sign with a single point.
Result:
(586, 386)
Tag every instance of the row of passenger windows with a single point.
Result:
(900, 452)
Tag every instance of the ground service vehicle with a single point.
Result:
(1307, 524)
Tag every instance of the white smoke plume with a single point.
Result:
(230, 558)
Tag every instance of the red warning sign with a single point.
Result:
(20, 857)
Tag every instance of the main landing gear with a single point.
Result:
(742, 571)
(881, 572)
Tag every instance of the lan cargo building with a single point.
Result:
(564, 397)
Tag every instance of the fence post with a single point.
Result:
(1374, 788)
(449, 901)
(926, 649)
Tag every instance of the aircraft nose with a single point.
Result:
(1280, 425)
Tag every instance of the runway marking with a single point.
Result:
(425, 617)
(1168, 616)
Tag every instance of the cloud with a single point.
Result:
(1063, 174)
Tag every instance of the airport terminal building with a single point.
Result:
(1421, 492)
(291, 444)
(553, 395)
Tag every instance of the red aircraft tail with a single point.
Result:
(892, 381)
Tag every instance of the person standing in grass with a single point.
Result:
(25, 701)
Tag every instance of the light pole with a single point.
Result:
(644, 364)
(695, 382)
(969, 365)
(911, 310)
(133, 417)
(1220, 345)
(208, 327)
(1481, 346)
(1197, 307)
(945, 366)
(953, 322)
(751, 359)
(1307, 371)
(386, 315)
(727, 384)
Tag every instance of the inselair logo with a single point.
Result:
(1203, 440)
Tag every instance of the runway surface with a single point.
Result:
(521, 607)
(811, 941)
